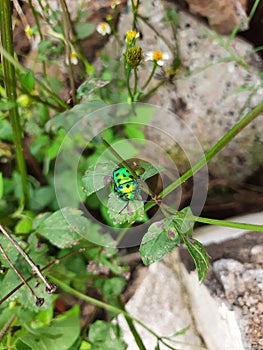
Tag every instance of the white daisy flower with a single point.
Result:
(103, 28)
(157, 56)
(115, 3)
(73, 58)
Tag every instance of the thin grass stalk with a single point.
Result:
(10, 87)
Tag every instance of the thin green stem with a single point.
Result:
(128, 75)
(164, 39)
(236, 129)
(253, 10)
(40, 84)
(103, 305)
(35, 14)
(135, 82)
(155, 65)
(68, 33)
(10, 87)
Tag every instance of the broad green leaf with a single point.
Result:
(133, 131)
(150, 170)
(27, 80)
(24, 225)
(199, 255)
(183, 223)
(6, 130)
(1, 185)
(81, 112)
(83, 30)
(61, 334)
(113, 287)
(9, 249)
(105, 336)
(157, 242)
(121, 211)
(98, 177)
(63, 227)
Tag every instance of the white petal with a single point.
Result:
(160, 63)
(166, 56)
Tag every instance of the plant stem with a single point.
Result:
(41, 85)
(103, 305)
(35, 14)
(10, 87)
(35, 269)
(128, 75)
(68, 34)
(236, 129)
(225, 223)
(151, 75)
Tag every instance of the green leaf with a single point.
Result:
(1, 185)
(121, 211)
(113, 287)
(150, 170)
(105, 336)
(98, 177)
(156, 242)
(9, 249)
(83, 30)
(61, 334)
(6, 130)
(27, 80)
(24, 225)
(63, 227)
(133, 131)
(82, 111)
(199, 255)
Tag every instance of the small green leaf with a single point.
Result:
(98, 177)
(105, 336)
(121, 211)
(63, 227)
(199, 255)
(9, 249)
(83, 30)
(133, 131)
(27, 80)
(24, 225)
(150, 170)
(1, 185)
(156, 242)
(61, 334)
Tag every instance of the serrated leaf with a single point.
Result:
(104, 336)
(199, 255)
(63, 227)
(27, 80)
(83, 30)
(121, 211)
(156, 243)
(9, 249)
(60, 334)
(98, 177)
(150, 170)
(183, 223)
(1, 185)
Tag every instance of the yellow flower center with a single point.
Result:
(73, 55)
(104, 26)
(157, 56)
(131, 34)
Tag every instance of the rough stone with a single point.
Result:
(223, 15)
(160, 303)
(217, 83)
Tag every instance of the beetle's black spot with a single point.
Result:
(117, 174)
(119, 180)
(131, 177)
(127, 186)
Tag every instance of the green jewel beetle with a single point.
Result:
(125, 184)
